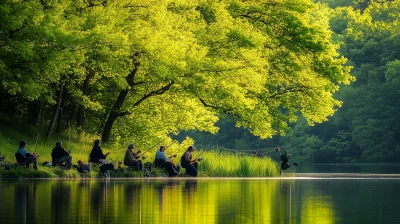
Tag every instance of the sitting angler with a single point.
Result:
(165, 162)
(23, 156)
(189, 164)
(285, 160)
(59, 156)
(131, 158)
(97, 156)
(82, 167)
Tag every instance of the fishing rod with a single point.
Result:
(199, 159)
(69, 135)
(211, 141)
(173, 142)
(152, 148)
(36, 144)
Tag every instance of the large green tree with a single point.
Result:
(156, 67)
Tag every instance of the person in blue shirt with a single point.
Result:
(30, 158)
(163, 161)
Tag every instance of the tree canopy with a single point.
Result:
(140, 70)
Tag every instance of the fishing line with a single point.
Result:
(69, 135)
(37, 138)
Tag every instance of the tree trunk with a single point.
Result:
(61, 113)
(35, 112)
(56, 110)
(114, 114)
(81, 110)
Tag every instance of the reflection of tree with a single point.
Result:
(317, 209)
(170, 201)
(60, 202)
(285, 201)
(303, 203)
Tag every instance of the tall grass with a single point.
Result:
(216, 163)
(227, 164)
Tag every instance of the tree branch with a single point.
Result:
(225, 111)
(288, 90)
(150, 94)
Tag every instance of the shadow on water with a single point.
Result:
(200, 201)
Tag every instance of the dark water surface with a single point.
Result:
(371, 168)
(321, 200)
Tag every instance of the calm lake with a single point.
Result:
(308, 198)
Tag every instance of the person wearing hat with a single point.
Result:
(30, 158)
(189, 164)
(131, 158)
(59, 155)
(165, 162)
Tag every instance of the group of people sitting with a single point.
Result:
(60, 157)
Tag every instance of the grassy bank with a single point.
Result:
(215, 163)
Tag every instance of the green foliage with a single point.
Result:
(365, 129)
(140, 70)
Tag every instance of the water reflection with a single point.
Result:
(60, 202)
(197, 201)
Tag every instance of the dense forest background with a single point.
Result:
(242, 76)
(367, 126)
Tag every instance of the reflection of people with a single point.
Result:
(285, 161)
(132, 158)
(60, 203)
(29, 158)
(59, 155)
(25, 204)
(189, 164)
(163, 161)
(134, 193)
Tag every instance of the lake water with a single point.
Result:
(317, 198)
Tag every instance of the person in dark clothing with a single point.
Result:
(165, 162)
(59, 156)
(97, 156)
(131, 158)
(285, 161)
(189, 164)
(30, 158)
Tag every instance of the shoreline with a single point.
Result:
(298, 176)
